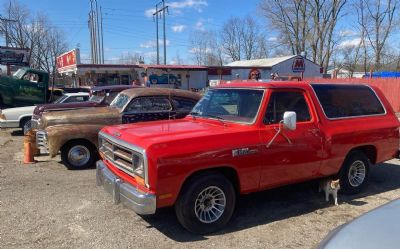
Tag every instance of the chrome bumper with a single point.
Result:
(128, 195)
(9, 123)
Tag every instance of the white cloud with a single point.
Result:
(199, 26)
(153, 43)
(347, 32)
(196, 50)
(177, 7)
(350, 43)
(149, 12)
(178, 28)
(196, 4)
(273, 39)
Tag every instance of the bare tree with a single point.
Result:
(44, 40)
(378, 19)
(205, 48)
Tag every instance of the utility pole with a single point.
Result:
(96, 33)
(156, 14)
(7, 21)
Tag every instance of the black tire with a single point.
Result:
(27, 126)
(75, 147)
(185, 205)
(354, 160)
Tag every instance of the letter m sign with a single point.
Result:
(298, 65)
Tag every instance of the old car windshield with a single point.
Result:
(120, 101)
(19, 73)
(97, 99)
(61, 99)
(236, 105)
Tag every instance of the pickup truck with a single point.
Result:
(247, 137)
(26, 87)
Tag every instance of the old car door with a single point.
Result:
(148, 108)
(30, 90)
(294, 155)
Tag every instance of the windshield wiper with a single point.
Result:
(216, 117)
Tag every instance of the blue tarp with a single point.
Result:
(383, 75)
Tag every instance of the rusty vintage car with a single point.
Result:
(75, 133)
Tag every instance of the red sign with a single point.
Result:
(299, 65)
(67, 59)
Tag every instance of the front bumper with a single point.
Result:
(9, 123)
(128, 195)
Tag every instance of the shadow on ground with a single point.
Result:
(17, 133)
(279, 204)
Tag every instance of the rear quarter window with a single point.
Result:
(342, 101)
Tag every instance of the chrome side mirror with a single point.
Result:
(289, 120)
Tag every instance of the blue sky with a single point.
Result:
(129, 28)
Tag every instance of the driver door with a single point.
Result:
(30, 90)
(293, 156)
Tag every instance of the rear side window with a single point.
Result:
(183, 104)
(341, 101)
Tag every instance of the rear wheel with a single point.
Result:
(78, 154)
(206, 203)
(355, 173)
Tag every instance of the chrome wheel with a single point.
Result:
(79, 155)
(210, 204)
(357, 173)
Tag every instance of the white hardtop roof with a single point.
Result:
(77, 94)
(266, 62)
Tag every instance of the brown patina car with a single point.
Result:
(74, 133)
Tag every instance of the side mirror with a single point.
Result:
(289, 120)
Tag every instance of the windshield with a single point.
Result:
(236, 105)
(97, 99)
(61, 99)
(120, 101)
(19, 73)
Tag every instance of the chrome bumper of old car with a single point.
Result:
(125, 193)
(41, 142)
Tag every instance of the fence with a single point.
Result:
(389, 86)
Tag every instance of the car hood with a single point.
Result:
(376, 229)
(93, 115)
(65, 106)
(161, 133)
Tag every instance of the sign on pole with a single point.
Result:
(14, 56)
(68, 60)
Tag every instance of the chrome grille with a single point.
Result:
(41, 142)
(126, 159)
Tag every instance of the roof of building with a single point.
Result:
(266, 62)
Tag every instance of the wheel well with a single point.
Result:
(229, 172)
(368, 150)
(23, 121)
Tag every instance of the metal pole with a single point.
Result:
(165, 39)
(7, 38)
(158, 49)
(102, 38)
(98, 33)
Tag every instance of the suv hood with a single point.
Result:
(92, 115)
(162, 134)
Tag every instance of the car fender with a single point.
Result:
(59, 135)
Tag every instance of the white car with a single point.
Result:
(21, 116)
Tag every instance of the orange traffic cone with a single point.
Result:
(28, 155)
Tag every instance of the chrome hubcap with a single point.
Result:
(357, 173)
(210, 204)
(79, 155)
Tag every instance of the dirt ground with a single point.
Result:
(44, 205)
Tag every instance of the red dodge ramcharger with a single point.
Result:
(247, 137)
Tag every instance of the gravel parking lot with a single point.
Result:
(44, 205)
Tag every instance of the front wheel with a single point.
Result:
(78, 155)
(206, 203)
(355, 172)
